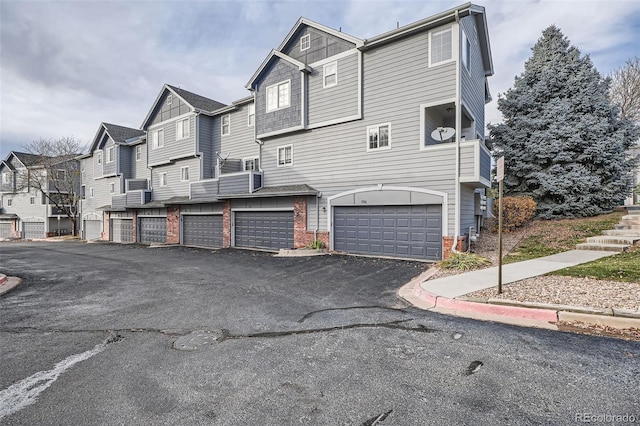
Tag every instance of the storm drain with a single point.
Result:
(197, 339)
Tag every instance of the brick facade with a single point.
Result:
(301, 236)
(106, 226)
(447, 242)
(226, 224)
(173, 224)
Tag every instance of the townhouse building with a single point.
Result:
(373, 146)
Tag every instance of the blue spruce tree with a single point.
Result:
(564, 143)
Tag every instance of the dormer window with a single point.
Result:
(305, 42)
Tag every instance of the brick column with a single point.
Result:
(134, 226)
(15, 232)
(106, 226)
(226, 224)
(447, 242)
(300, 238)
(173, 224)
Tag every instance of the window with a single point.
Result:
(251, 164)
(182, 129)
(110, 154)
(169, 99)
(60, 174)
(440, 46)
(466, 52)
(157, 140)
(163, 179)
(91, 192)
(379, 137)
(305, 42)
(32, 200)
(138, 152)
(83, 192)
(112, 188)
(251, 116)
(6, 178)
(9, 202)
(184, 174)
(226, 124)
(278, 96)
(99, 157)
(285, 155)
(330, 74)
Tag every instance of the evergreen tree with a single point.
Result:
(563, 141)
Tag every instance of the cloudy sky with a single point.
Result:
(66, 66)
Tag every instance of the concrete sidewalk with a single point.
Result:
(461, 284)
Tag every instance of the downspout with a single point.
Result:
(315, 231)
(458, 125)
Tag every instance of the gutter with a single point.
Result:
(458, 128)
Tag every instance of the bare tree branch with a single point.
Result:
(625, 89)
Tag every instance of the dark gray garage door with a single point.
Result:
(32, 230)
(5, 229)
(121, 230)
(400, 231)
(202, 230)
(153, 229)
(270, 230)
(92, 229)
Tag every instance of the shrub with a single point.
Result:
(516, 211)
(316, 244)
(464, 261)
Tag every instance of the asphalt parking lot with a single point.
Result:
(127, 334)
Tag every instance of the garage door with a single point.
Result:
(5, 229)
(153, 230)
(269, 230)
(202, 230)
(92, 229)
(121, 230)
(32, 230)
(400, 231)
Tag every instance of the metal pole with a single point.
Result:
(500, 239)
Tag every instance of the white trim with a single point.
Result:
(377, 126)
(304, 21)
(157, 145)
(324, 74)
(463, 57)
(423, 108)
(277, 86)
(244, 160)
(335, 121)
(111, 152)
(182, 169)
(381, 187)
(278, 155)
(202, 213)
(305, 40)
(249, 115)
(228, 125)
(179, 123)
(160, 175)
(360, 84)
(280, 132)
(173, 119)
(453, 50)
(333, 58)
(138, 147)
(266, 209)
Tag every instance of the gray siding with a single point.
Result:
(240, 143)
(204, 190)
(172, 148)
(174, 188)
(235, 184)
(334, 102)
(20, 205)
(152, 212)
(209, 143)
(472, 81)
(281, 119)
(467, 209)
(334, 159)
(126, 155)
(139, 169)
(202, 208)
(164, 112)
(323, 45)
(109, 168)
(263, 203)
(6, 187)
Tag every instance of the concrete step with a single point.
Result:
(633, 210)
(627, 226)
(613, 239)
(602, 247)
(632, 217)
(623, 232)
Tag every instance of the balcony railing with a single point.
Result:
(130, 199)
(226, 184)
(475, 163)
(55, 211)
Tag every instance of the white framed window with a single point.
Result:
(182, 129)
(83, 192)
(466, 52)
(91, 192)
(157, 139)
(163, 179)
(112, 188)
(184, 174)
(225, 127)
(9, 202)
(251, 115)
(379, 137)
(169, 99)
(285, 155)
(305, 42)
(440, 46)
(99, 158)
(138, 152)
(278, 96)
(6, 178)
(251, 164)
(110, 154)
(32, 200)
(330, 74)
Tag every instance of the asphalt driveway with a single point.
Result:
(126, 334)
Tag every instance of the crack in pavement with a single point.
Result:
(310, 314)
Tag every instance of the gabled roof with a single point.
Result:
(26, 158)
(276, 54)
(197, 102)
(119, 134)
(307, 22)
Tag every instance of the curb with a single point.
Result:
(540, 315)
(8, 283)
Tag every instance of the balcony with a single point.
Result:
(475, 163)
(54, 211)
(238, 183)
(130, 199)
